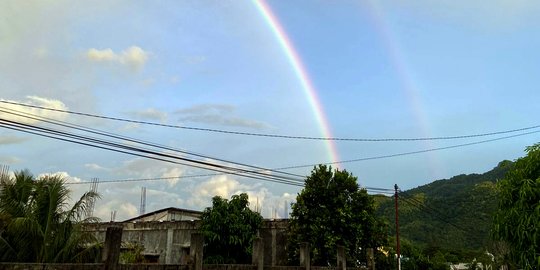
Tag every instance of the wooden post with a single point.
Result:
(341, 260)
(196, 251)
(305, 259)
(111, 248)
(370, 259)
(397, 228)
(258, 253)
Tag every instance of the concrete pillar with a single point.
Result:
(370, 259)
(111, 248)
(257, 257)
(305, 259)
(274, 245)
(169, 249)
(196, 251)
(341, 259)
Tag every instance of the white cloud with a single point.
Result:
(206, 109)
(95, 167)
(150, 114)
(260, 198)
(217, 114)
(220, 185)
(124, 198)
(124, 210)
(64, 175)
(101, 55)
(37, 101)
(129, 127)
(9, 160)
(128, 209)
(133, 57)
(173, 172)
(9, 139)
(147, 168)
(36, 56)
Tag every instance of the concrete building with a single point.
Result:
(166, 235)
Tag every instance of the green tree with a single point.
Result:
(518, 216)
(332, 210)
(229, 228)
(36, 223)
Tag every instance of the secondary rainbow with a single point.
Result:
(301, 73)
(408, 84)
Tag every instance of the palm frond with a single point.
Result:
(80, 207)
(36, 224)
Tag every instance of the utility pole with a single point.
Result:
(397, 228)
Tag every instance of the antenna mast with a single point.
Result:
(142, 208)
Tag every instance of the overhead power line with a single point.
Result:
(243, 170)
(275, 135)
(377, 190)
(129, 139)
(290, 178)
(259, 173)
(436, 214)
(147, 153)
(279, 170)
(411, 152)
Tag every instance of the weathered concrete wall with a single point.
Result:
(171, 239)
(274, 235)
(56, 266)
(66, 266)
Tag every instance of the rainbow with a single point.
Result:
(301, 73)
(408, 84)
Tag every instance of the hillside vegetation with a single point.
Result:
(454, 215)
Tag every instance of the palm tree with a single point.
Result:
(37, 224)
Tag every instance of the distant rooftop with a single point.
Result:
(168, 214)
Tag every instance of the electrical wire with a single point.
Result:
(35, 130)
(376, 190)
(275, 135)
(116, 136)
(435, 213)
(360, 159)
(411, 152)
(493, 196)
(277, 170)
(129, 139)
(88, 141)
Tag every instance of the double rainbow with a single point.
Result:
(301, 73)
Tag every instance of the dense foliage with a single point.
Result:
(517, 221)
(451, 217)
(36, 224)
(229, 228)
(332, 210)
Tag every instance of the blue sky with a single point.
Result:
(381, 69)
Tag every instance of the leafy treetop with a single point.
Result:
(229, 228)
(332, 210)
(518, 217)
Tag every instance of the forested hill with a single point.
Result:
(449, 214)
